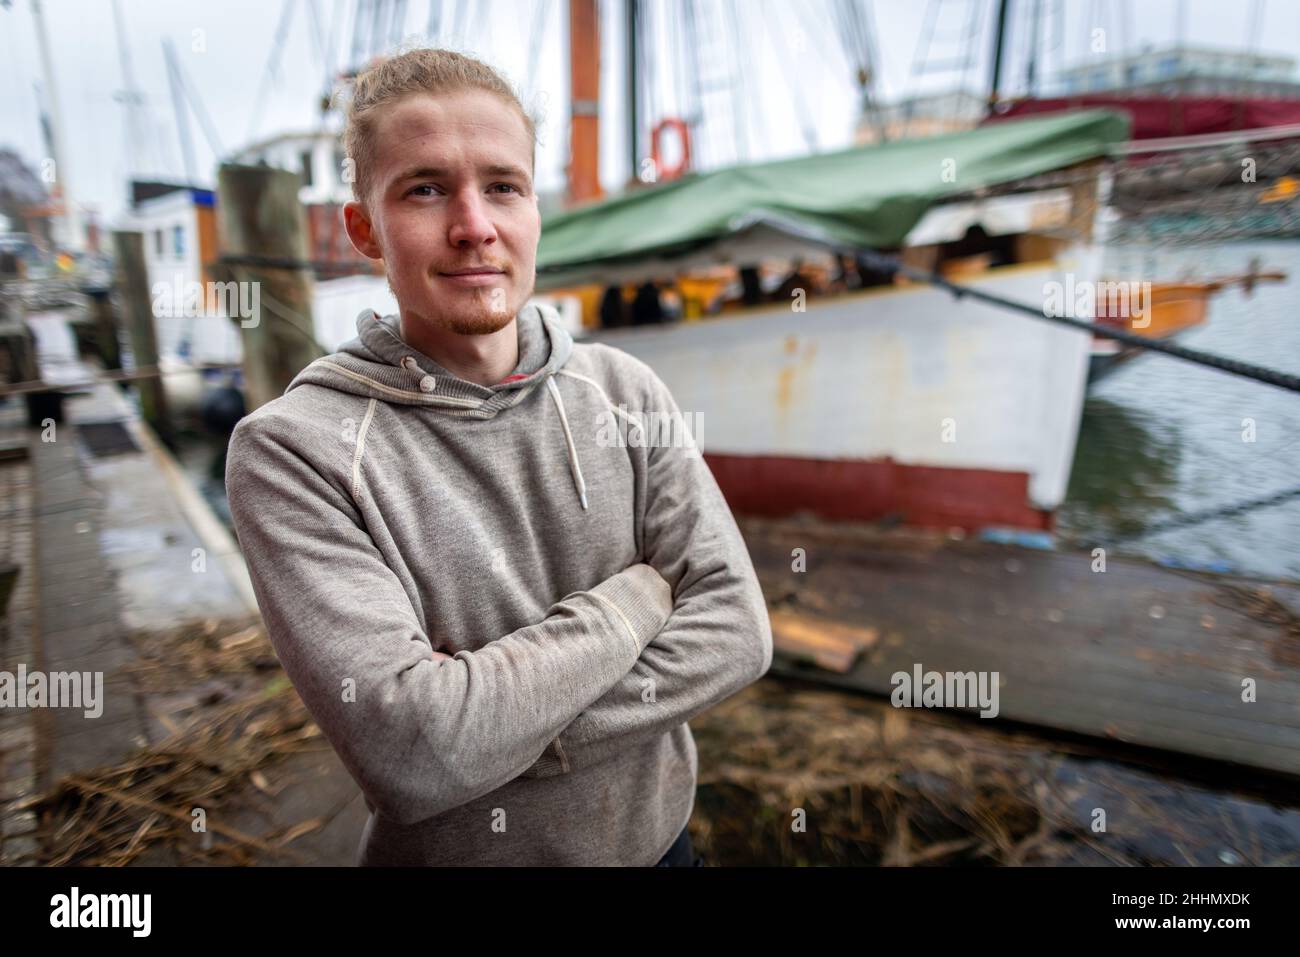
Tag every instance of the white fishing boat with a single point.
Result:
(892, 402)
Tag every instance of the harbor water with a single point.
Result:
(1162, 439)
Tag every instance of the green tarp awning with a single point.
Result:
(863, 196)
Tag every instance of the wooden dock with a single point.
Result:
(1139, 654)
(114, 546)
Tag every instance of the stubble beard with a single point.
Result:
(491, 311)
(488, 313)
(478, 317)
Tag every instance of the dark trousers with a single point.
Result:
(681, 854)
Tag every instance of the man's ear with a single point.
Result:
(361, 230)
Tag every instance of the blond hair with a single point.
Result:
(421, 70)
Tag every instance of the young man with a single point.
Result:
(498, 594)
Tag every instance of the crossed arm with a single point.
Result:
(419, 735)
(717, 639)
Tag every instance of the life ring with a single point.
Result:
(684, 135)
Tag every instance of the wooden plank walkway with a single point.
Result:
(1138, 654)
(107, 550)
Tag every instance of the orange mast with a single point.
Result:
(584, 96)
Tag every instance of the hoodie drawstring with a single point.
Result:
(574, 467)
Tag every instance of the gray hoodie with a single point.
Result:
(575, 558)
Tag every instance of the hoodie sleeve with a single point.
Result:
(418, 736)
(718, 638)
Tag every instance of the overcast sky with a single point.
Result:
(797, 77)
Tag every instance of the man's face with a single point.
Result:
(451, 210)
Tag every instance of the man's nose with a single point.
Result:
(470, 225)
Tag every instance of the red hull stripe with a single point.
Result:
(870, 490)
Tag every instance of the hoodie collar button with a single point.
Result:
(428, 384)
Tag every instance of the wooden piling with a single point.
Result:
(263, 239)
(137, 309)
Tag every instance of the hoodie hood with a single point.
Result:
(379, 365)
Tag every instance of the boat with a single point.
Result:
(1170, 310)
(1197, 169)
(896, 401)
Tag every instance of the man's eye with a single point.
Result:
(506, 185)
(425, 186)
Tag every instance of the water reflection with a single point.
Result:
(1124, 475)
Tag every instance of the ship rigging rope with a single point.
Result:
(1199, 518)
(891, 264)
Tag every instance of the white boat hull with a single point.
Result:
(897, 402)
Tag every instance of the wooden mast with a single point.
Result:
(584, 96)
